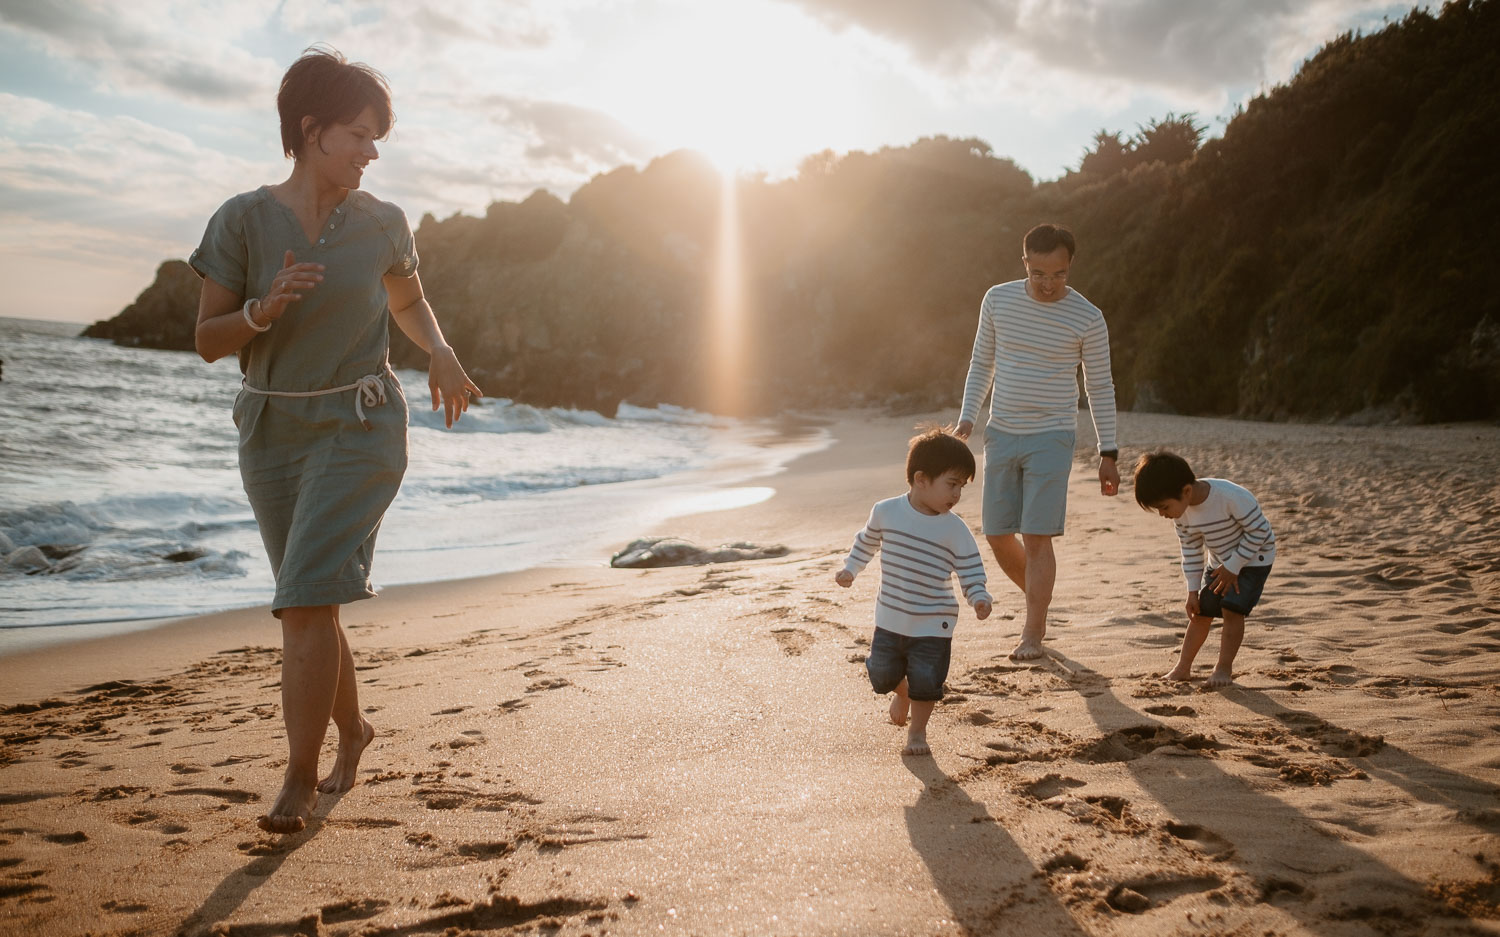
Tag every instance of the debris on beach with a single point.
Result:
(670, 551)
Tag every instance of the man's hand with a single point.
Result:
(844, 578)
(963, 429)
(982, 609)
(1109, 477)
(1224, 581)
(1192, 605)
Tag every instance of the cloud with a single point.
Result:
(149, 46)
(1187, 46)
(111, 186)
(567, 135)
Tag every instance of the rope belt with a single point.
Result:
(369, 391)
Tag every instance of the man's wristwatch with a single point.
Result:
(1110, 454)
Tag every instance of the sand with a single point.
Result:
(697, 751)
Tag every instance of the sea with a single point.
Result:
(119, 466)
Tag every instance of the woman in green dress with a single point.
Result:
(298, 279)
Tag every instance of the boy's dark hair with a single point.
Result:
(1046, 238)
(1161, 475)
(325, 86)
(936, 451)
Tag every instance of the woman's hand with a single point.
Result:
(449, 384)
(291, 281)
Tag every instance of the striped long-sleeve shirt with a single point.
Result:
(919, 555)
(1029, 351)
(1230, 523)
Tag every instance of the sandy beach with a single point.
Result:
(697, 751)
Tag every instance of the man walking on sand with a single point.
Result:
(1033, 334)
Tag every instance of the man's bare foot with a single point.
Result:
(1220, 677)
(900, 707)
(341, 778)
(1180, 673)
(292, 808)
(916, 744)
(1028, 650)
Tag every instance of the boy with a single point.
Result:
(923, 543)
(1228, 519)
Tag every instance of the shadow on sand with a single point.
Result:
(987, 880)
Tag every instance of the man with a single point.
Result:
(1033, 334)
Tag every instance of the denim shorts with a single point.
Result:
(1252, 581)
(1026, 481)
(922, 661)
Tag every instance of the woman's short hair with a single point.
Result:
(325, 86)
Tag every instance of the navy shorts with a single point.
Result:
(1252, 581)
(922, 661)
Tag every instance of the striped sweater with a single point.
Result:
(1230, 523)
(1029, 352)
(919, 554)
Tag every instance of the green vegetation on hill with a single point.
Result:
(1331, 255)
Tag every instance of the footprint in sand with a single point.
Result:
(67, 839)
(1167, 709)
(1050, 786)
(1206, 840)
(229, 794)
(1134, 897)
(793, 641)
(552, 683)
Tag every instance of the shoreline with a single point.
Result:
(709, 488)
(697, 750)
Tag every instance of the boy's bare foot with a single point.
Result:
(292, 808)
(916, 744)
(900, 707)
(1220, 677)
(1180, 673)
(346, 766)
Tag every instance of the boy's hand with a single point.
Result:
(982, 609)
(1192, 605)
(1224, 581)
(844, 578)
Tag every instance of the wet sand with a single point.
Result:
(697, 751)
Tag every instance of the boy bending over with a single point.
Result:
(1227, 519)
(922, 545)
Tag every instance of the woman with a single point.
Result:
(297, 279)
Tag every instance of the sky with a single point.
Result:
(124, 125)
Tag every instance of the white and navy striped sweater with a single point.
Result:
(1230, 523)
(919, 554)
(1030, 352)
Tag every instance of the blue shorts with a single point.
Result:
(1026, 481)
(1252, 581)
(922, 661)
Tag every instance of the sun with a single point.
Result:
(751, 86)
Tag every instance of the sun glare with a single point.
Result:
(750, 88)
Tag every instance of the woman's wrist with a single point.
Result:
(253, 304)
(440, 349)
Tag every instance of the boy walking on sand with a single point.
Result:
(1227, 519)
(922, 545)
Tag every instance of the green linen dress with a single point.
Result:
(318, 480)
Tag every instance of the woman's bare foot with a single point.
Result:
(916, 744)
(1180, 673)
(292, 808)
(1220, 677)
(900, 707)
(346, 766)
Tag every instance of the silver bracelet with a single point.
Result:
(249, 320)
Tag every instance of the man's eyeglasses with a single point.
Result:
(1049, 277)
